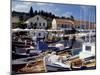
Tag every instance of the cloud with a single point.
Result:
(41, 4)
(86, 9)
(88, 13)
(67, 14)
(82, 12)
(25, 6)
(21, 6)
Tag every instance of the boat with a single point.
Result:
(53, 64)
(18, 64)
(88, 47)
(25, 52)
(56, 67)
(88, 53)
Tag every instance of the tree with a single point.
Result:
(63, 17)
(72, 17)
(35, 13)
(31, 12)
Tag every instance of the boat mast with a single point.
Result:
(80, 21)
(84, 23)
(89, 27)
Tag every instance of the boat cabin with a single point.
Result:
(88, 50)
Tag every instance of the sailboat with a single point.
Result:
(88, 47)
(87, 54)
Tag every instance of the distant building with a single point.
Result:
(68, 24)
(62, 24)
(36, 22)
(20, 15)
(84, 24)
(15, 20)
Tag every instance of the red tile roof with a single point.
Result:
(64, 21)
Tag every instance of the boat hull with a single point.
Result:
(50, 68)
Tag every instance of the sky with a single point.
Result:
(80, 12)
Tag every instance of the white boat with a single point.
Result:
(88, 47)
(88, 50)
(53, 64)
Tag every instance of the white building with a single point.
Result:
(62, 24)
(36, 22)
(38, 33)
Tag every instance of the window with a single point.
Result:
(62, 26)
(43, 24)
(31, 23)
(88, 48)
(65, 25)
(39, 34)
(82, 26)
(35, 25)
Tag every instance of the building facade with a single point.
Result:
(36, 22)
(62, 24)
(84, 24)
(68, 24)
